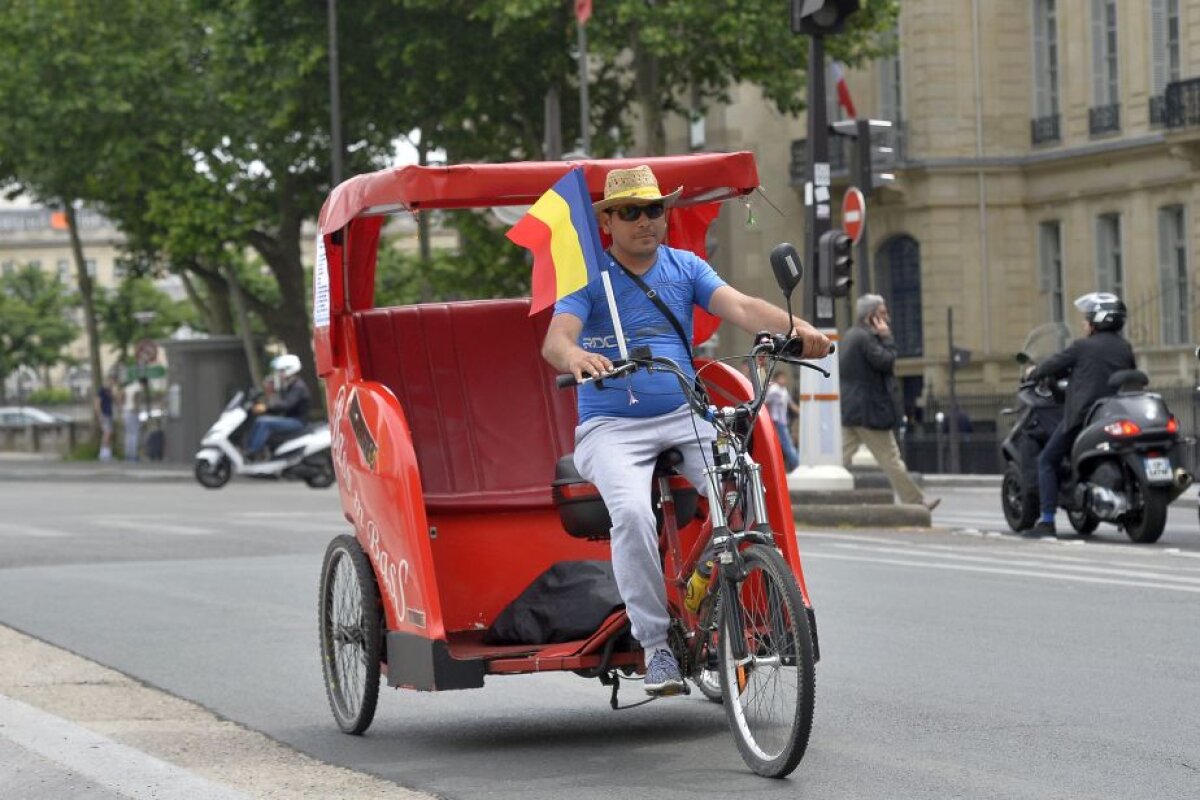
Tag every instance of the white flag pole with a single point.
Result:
(612, 310)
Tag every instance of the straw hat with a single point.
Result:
(637, 186)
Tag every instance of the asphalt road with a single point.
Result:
(956, 663)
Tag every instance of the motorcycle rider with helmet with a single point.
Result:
(1089, 361)
(286, 411)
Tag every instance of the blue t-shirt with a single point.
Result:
(681, 279)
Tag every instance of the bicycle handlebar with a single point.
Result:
(777, 346)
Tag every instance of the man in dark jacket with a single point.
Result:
(286, 412)
(868, 387)
(1090, 362)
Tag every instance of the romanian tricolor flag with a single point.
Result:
(560, 230)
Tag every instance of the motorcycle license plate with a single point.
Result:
(1158, 470)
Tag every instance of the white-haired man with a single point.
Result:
(868, 384)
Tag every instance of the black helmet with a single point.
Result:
(1104, 310)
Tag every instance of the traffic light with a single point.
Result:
(819, 17)
(835, 264)
(874, 156)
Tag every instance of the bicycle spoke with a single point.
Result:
(768, 695)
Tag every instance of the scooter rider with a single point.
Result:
(288, 408)
(1090, 362)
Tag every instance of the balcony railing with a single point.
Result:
(1182, 106)
(1044, 129)
(840, 153)
(1104, 119)
(1158, 110)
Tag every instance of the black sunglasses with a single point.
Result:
(631, 213)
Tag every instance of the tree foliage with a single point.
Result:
(35, 320)
(202, 127)
(119, 311)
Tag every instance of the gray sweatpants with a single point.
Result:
(617, 454)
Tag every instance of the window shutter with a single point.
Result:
(1103, 249)
(1166, 277)
(1158, 47)
(1098, 48)
(1043, 259)
(1041, 103)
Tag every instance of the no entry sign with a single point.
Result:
(854, 214)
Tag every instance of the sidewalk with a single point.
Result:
(41, 467)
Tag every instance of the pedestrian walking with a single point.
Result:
(106, 400)
(132, 394)
(779, 402)
(869, 409)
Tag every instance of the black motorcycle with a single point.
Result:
(1124, 467)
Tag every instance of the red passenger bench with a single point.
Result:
(487, 422)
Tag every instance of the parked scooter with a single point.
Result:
(1124, 467)
(303, 455)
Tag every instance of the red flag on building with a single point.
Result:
(843, 91)
(583, 11)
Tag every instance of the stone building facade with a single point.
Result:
(1043, 149)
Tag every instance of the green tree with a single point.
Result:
(35, 321)
(119, 312)
(80, 79)
(656, 56)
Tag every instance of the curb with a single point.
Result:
(863, 516)
(88, 472)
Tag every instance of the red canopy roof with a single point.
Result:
(705, 177)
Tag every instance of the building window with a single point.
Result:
(1110, 275)
(1050, 269)
(1045, 65)
(64, 270)
(1173, 275)
(1165, 54)
(1104, 115)
(898, 279)
(7, 268)
(90, 265)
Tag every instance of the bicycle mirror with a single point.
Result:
(789, 271)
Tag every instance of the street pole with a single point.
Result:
(820, 404)
(817, 200)
(953, 412)
(552, 117)
(585, 135)
(335, 99)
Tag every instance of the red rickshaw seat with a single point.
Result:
(487, 421)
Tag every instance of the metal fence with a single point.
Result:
(983, 426)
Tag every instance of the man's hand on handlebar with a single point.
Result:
(815, 343)
(588, 365)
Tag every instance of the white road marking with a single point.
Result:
(1072, 565)
(114, 766)
(900, 562)
(30, 531)
(173, 529)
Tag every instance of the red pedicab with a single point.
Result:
(447, 432)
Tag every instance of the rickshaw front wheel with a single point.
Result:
(351, 620)
(769, 676)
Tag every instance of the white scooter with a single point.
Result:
(301, 455)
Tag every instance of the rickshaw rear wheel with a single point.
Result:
(351, 621)
(769, 694)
